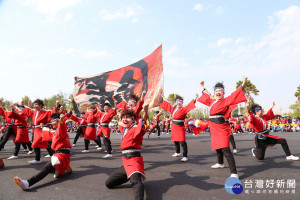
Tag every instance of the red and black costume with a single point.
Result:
(82, 124)
(90, 132)
(38, 117)
(133, 163)
(219, 130)
(104, 130)
(137, 109)
(22, 136)
(10, 129)
(60, 161)
(155, 124)
(262, 138)
(178, 130)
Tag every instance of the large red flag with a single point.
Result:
(144, 75)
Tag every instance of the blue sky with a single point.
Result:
(44, 44)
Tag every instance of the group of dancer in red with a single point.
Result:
(50, 132)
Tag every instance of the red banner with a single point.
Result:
(144, 75)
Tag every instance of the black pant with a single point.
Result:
(24, 145)
(48, 168)
(261, 146)
(238, 130)
(9, 132)
(229, 157)
(156, 127)
(37, 152)
(184, 146)
(78, 133)
(168, 128)
(231, 138)
(18, 145)
(163, 128)
(50, 151)
(99, 140)
(86, 143)
(107, 144)
(119, 177)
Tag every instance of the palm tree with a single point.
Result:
(297, 94)
(171, 98)
(249, 89)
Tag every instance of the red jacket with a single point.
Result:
(261, 124)
(137, 109)
(43, 116)
(22, 133)
(105, 118)
(177, 132)
(220, 132)
(61, 138)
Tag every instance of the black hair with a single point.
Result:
(178, 97)
(219, 84)
(39, 102)
(133, 96)
(128, 112)
(107, 104)
(255, 107)
(156, 112)
(20, 106)
(55, 116)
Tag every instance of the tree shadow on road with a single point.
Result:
(156, 188)
(264, 165)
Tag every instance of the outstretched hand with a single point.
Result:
(202, 84)
(273, 104)
(12, 106)
(62, 116)
(244, 80)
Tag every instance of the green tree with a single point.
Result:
(197, 114)
(6, 106)
(297, 94)
(249, 89)
(26, 99)
(296, 110)
(63, 98)
(235, 112)
(171, 98)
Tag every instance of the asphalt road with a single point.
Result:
(167, 177)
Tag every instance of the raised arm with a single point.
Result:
(191, 105)
(28, 112)
(139, 106)
(166, 105)
(269, 115)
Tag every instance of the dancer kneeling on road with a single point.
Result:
(133, 163)
(60, 161)
(262, 138)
